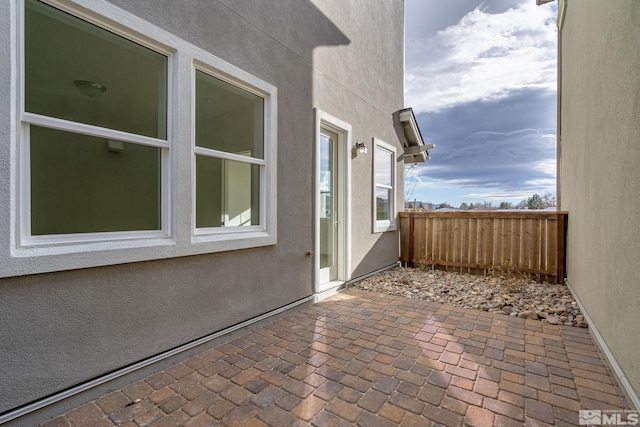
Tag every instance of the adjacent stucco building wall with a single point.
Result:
(61, 329)
(361, 83)
(600, 131)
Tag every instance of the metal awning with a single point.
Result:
(415, 150)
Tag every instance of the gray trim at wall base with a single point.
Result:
(609, 357)
(31, 408)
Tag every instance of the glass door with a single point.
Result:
(328, 207)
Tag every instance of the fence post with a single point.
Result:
(411, 239)
(560, 263)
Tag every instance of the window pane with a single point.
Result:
(383, 207)
(61, 49)
(227, 193)
(228, 118)
(82, 184)
(384, 162)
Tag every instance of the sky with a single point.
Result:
(481, 79)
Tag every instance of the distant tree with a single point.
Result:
(487, 206)
(443, 205)
(535, 202)
(506, 205)
(464, 206)
(549, 199)
(410, 182)
(522, 204)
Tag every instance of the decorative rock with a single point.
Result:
(532, 300)
(553, 320)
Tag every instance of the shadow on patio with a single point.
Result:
(373, 360)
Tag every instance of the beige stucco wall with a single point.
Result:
(600, 131)
(357, 83)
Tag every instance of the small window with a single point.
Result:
(95, 131)
(384, 195)
(229, 151)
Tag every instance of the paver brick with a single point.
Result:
(156, 397)
(539, 410)
(308, 408)
(392, 412)
(504, 408)
(454, 405)
(345, 410)
(56, 422)
(406, 402)
(288, 401)
(85, 414)
(443, 416)
(113, 401)
(274, 416)
(441, 379)
(372, 401)
(461, 372)
(200, 404)
(486, 388)
(149, 417)
(202, 420)
(463, 395)
(176, 419)
(130, 412)
(359, 384)
(386, 384)
(240, 415)
(479, 417)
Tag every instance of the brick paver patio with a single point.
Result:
(368, 359)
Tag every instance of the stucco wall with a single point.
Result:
(60, 329)
(600, 130)
(361, 83)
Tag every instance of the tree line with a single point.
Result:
(536, 201)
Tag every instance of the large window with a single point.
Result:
(130, 144)
(384, 172)
(229, 154)
(95, 121)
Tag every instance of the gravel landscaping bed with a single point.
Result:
(509, 295)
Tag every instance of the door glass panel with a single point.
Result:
(327, 196)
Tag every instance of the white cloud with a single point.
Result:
(484, 56)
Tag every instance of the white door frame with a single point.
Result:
(343, 130)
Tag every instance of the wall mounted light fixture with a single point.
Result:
(360, 148)
(90, 89)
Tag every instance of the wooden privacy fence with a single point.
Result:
(473, 242)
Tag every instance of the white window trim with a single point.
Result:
(386, 225)
(177, 237)
(266, 229)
